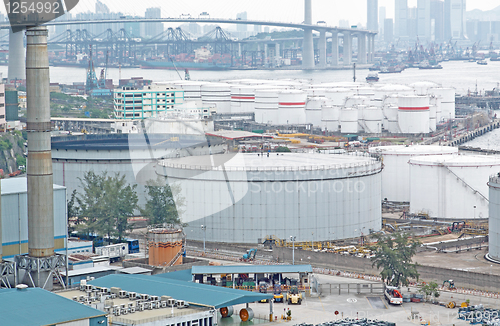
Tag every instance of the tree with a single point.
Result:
(393, 254)
(106, 203)
(73, 211)
(163, 203)
(429, 289)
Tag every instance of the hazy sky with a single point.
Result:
(330, 11)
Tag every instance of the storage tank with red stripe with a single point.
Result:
(291, 107)
(413, 114)
(242, 98)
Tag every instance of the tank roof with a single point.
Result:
(413, 150)
(286, 161)
(457, 160)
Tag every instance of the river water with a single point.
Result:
(460, 75)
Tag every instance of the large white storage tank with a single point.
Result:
(244, 197)
(313, 110)
(242, 99)
(372, 119)
(192, 89)
(330, 115)
(349, 120)
(413, 114)
(338, 95)
(494, 218)
(218, 94)
(424, 87)
(447, 109)
(291, 107)
(451, 186)
(266, 106)
(396, 173)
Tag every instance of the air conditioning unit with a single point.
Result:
(180, 303)
(171, 302)
(112, 296)
(155, 298)
(141, 306)
(116, 313)
(75, 298)
(165, 297)
(153, 305)
(132, 295)
(124, 311)
(130, 304)
(164, 304)
(88, 287)
(132, 310)
(144, 296)
(104, 290)
(148, 305)
(82, 298)
(107, 309)
(122, 294)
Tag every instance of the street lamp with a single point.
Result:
(204, 229)
(292, 238)
(474, 211)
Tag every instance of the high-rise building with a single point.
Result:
(153, 29)
(412, 23)
(401, 18)
(372, 15)
(343, 23)
(101, 8)
(437, 21)
(388, 30)
(381, 21)
(454, 19)
(241, 27)
(424, 20)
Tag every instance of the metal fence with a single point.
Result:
(357, 288)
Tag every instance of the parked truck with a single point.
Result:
(293, 296)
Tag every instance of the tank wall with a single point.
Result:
(494, 221)
(163, 246)
(312, 205)
(440, 193)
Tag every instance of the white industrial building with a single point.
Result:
(345, 107)
(451, 186)
(244, 197)
(396, 172)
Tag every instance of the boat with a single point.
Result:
(427, 65)
(372, 78)
(482, 62)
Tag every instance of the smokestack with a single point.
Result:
(16, 56)
(39, 169)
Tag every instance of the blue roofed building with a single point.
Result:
(35, 307)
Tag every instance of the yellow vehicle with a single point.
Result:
(293, 296)
(278, 296)
(263, 289)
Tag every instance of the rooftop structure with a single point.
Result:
(35, 306)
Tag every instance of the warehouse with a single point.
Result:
(35, 307)
(244, 197)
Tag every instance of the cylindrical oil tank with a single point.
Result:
(432, 118)
(314, 92)
(380, 93)
(356, 100)
(451, 186)
(413, 114)
(218, 94)
(313, 110)
(349, 120)
(447, 96)
(338, 95)
(291, 107)
(365, 91)
(372, 119)
(330, 115)
(396, 173)
(165, 246)
(391, 118)
(266, 106)
(494, 217)
(192, 89)
(242, 99)
(245, 196)
(423, 88)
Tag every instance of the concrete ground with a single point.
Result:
(373, 306)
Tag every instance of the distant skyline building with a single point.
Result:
(343, 23)
(388, 30)
(381, 21)
(401, 18)
(457, 22)
(372, 15)
(153, 29)
(101, 8)
(242, 27)
(437, 21)
(424, 20)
